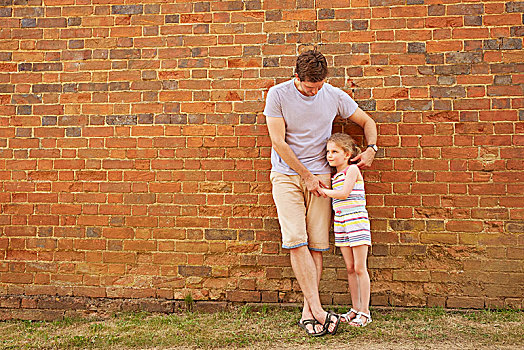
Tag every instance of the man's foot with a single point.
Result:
(312, 327)
(349, 316)
(331, 322)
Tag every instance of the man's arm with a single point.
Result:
(277, 133)
(370, 132)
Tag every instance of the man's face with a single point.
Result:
(308, 88)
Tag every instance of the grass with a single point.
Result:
(268, 327)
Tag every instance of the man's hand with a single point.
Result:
(365, 159)
(314, 185)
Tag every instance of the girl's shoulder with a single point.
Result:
(353, 168)
(341, 173)
(337, 175)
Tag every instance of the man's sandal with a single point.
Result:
(328, 321)
(345, 317)
(358, 322)
(313, 333)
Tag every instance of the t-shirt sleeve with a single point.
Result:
(346, 105)
(273, 106)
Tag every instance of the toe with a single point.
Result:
(319, 328)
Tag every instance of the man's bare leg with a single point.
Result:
(306, 310)
(305, 270)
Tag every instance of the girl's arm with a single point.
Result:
(349, 183)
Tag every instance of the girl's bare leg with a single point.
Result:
(353, 282)
(360, 254)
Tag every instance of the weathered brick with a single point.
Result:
(463, 57)
(6, 12)
(127, 9)
(244, 296)
(511, 44)
(447, 92)
(201, 271)
(326, 14)
(37, 88)
(515, 6)
(413, 105)
(137, 147)
(121, 119)
(465, 302)
(416, 47)
(417, 276)
(465, 9)
(473, 20)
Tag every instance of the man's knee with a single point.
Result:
(297, 251)
(316, 253)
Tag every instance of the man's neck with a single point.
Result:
(297, 86)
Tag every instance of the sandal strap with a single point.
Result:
(367, 316)
(350, 311)
(328, 321)
(357, 320)
(309, 322)
(346, 315)
(313, 332)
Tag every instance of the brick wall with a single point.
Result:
(134, 157)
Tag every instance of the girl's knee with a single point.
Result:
(350, 269)
(360, 270)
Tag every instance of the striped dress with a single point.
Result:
(351, 216)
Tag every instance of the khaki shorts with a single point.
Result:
(304, 218)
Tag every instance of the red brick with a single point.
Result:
(464, 226)
(500, 20)
(444, 22)
(77, 189)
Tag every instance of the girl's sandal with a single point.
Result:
(345, 317)
(357, 321)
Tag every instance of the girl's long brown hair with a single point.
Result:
(345, 142)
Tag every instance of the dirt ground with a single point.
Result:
(408, 345)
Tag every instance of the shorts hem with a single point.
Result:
(351, 245)
(294, 246)
(319, 249)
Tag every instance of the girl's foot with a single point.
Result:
(349, 316)
(362, 320)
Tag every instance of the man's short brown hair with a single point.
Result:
(311, 66)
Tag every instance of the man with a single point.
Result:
(299, 115)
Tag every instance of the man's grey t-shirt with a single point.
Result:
(308, 121)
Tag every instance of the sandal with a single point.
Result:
(357, 322)
(328, 321)
(345, 317)
(303, 324)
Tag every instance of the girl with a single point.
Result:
(352, 234)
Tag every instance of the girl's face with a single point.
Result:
(336, 156)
